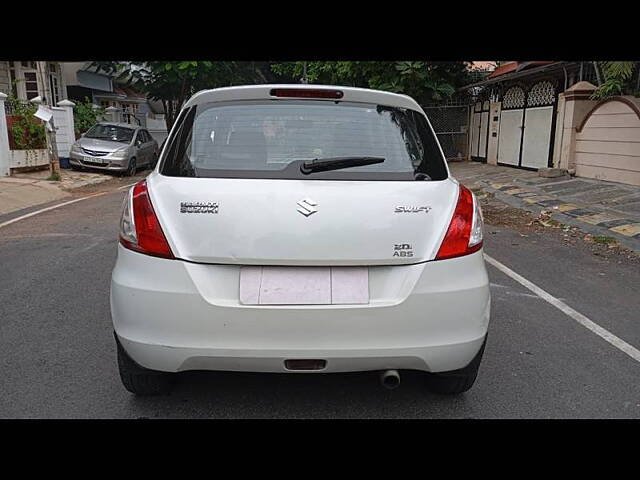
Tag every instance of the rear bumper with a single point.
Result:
(432, 358)
(173, 316)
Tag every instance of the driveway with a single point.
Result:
(602, 208)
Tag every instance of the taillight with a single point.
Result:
(464, 235)
(306, 93)
(141, 231)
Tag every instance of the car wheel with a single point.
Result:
(77, 168)
(139, 380)
(456, 381)
(132, 168)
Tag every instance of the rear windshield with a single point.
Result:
(272, 139)
(110, 132)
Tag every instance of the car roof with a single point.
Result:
(123, 125)
(263, 92)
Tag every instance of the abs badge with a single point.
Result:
(198, 207)
(403, 250)
(412, 209)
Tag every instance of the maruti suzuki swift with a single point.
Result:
(300, 228)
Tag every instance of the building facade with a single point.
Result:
(85, 82)
(26, 80)
(534, 115)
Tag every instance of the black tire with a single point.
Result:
(455, 381)
(139, 380)
(77, 168)
(132, 168)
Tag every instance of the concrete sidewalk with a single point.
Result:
(30, 189)
(595, 206)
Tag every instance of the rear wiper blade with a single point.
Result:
(337, 163)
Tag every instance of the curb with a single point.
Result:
(93, 181)
(625, 231)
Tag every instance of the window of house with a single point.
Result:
(129, 108)
(31, 84)
(53, 86)
(129, 111)
(27, 81)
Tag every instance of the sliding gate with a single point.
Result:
(480, 131)
(527, 122)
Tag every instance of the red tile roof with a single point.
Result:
(509, 67)
(128, 92)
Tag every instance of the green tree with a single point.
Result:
(172, 83)
(425, 81)
(618, 79)
(86, 115)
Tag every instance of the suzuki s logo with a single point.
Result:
(306, 207)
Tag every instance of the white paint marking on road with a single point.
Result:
(511, 292)
(520, 294)
(45, 235)
(126, 186)
(560, 305)
(53, 207)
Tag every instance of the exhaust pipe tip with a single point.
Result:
(390, 379)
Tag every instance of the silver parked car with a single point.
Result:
(116, 147)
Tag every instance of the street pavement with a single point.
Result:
(58, 352)
(25, 190)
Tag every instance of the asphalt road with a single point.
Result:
(57, 353)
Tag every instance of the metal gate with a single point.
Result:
(527, 123)
(480, 131)
(450, 123)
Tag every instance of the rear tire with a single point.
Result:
(139, 380)
(455, 381)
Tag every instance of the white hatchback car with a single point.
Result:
(300, 228)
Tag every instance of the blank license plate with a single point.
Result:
(95, 160)
(304, 285)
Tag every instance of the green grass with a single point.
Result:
(603, 239)
(55, 177)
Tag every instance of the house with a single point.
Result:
(27, 80)
(540, 114)
(84, 81)
(32, 82)
(499, 117)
